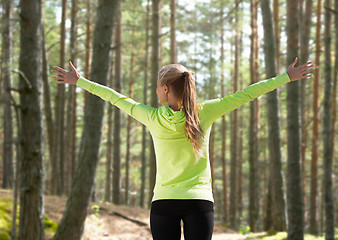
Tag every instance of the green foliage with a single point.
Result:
(244, 229)
(4, 236)
(97, 210)
(279, 236)
(6, 212)
(6, 206)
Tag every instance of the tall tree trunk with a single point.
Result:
(32, 185)
(71, 108)
(275, 153)
(304, 55)
(88, 45)
(233, 153)
(223, 129)
(60, 108)
(6, 59)
(240, 170)
(327, 133)
(211, 96)
(313, 228)
(117, 112)
(155, 59)
(173, 49)
(47, 110)
(145, 88)
(334, 88)
(72, 223)
(131, 83)
(108, 188)
(253, 139)
(276, 18)
(294, 173)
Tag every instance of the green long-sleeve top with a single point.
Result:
(178, 175)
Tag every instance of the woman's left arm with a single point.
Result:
(215, 108)
(140, 112)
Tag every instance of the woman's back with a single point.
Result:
(178, 176)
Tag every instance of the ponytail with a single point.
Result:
(193, 128)
(183, 84)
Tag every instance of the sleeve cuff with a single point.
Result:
(283, 78)
(84, 83)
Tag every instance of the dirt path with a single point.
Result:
(109, 222)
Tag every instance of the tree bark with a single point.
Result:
(88, 45)
(155, 59)
(223, 128)
(334, 88)
(233, 153)
(117, 112)
(71, 107)
(60, 111)
(173, 49)
(108, 187)
(72, 223)
(47, 109)
(129, 124)
(6, 59)
(294, 173)
(253, 139)
(145, 88)
(277, 34)
(304, 55)
(275, 153)
(313, 228)
(327, 133)
(32, 184)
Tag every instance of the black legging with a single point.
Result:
(198, 226)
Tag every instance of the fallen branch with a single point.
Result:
(140, 223)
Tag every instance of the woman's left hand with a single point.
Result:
(297, 73)
(70, 77)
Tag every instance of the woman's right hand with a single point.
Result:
(70, 77)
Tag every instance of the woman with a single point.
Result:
(180, 129)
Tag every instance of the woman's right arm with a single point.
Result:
(138, 111)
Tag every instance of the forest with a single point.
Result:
(272, 160)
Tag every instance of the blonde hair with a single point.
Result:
(183, 85)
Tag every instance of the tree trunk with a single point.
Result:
(277, 34)
(253, 140)
(223, 129)
(72, 223)
(6, 59)
(60, 114)
(173, 49)
(117, 112)
(131, 83)
(108, 188)
(145, 88)
(304, 55)
(275, 146)
(71, 108)
(233, 153)
(155, 59)
(334, 88)
(32, 185)
(294, 173)
(47, 110)
(313, 228)
(327, 134)
(88, 45)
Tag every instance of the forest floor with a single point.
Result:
(111, 222)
